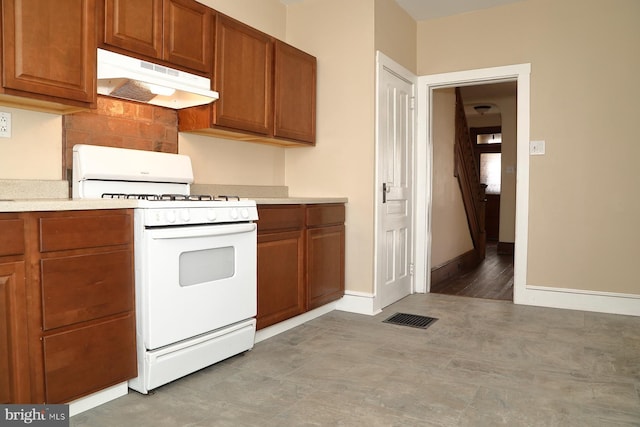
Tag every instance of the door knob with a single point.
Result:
(385, 189)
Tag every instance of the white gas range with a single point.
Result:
(195, 260)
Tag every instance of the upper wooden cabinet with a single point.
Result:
(294, 94)
(48, 54)
(243, 74)
(135, 26)
(267, 90)
(177, 32)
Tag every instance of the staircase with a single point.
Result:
(466, 170)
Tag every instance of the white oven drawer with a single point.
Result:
(195, 279)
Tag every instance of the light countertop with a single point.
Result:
(43, 195)
(298, 200)
(33, 205)
(39, 205)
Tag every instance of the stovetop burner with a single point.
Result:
(170, 197)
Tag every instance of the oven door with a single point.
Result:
(194, 279)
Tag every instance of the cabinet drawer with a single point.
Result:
(84, 231)
(320, 215)
(11, 236)
(84, 360)
(86, 287)
(280, 217)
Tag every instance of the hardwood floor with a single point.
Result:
(492, 279)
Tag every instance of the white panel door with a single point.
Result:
(395, 121)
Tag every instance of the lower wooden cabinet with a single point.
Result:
(300, 259)
(325, 254)
(67, 322)
(14, 357)
(14, 369)
(281, 287)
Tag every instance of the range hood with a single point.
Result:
(129, 78)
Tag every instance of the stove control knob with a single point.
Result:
(244, 213)
(234, 213)
(184, 214)
(211, 214)
(170, 216)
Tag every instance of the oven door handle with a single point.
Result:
(205, 231)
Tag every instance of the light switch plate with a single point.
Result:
(5, 125)
(536, 148)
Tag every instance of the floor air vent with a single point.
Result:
(412, 320)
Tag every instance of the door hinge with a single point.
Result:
(411, 268)
(412, 103)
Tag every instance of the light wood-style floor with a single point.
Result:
(482, 363)
(492, 279)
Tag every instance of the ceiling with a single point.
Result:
(486, 94)
(421, 10)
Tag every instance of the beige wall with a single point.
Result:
(220, 161)
(395, 33)
(508, 111)
(268, 16)
(583, 208)
(34, 150)
(450, 236)
(340, 35)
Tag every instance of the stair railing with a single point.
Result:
(466, 170)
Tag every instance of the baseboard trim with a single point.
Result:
(358, 302)
(453, 267)
(353, 302)
(577, 299)
(99, 398)
(285, 325)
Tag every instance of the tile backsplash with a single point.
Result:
(117, 123)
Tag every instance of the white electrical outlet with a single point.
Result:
(536, 148)
(5, 125)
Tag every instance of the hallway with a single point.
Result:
(492, 279)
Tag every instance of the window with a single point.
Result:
(488, 147)
(489, 138)
(490, 171)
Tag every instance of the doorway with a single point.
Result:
(424, 161)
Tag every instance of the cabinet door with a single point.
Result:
(325, 265)
(50, 48)
(294, 94)
(280, 277)
(135, 26)
(14, 369)
(188, 38)
(242, 75)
